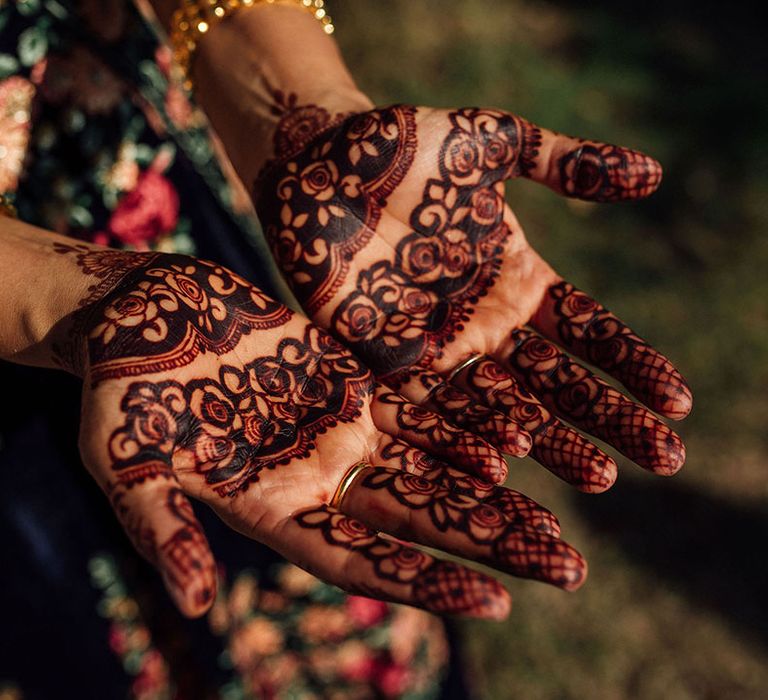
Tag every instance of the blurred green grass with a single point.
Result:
(675, 606)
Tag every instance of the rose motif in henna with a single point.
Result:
(453, 254)
(257, 417)
(606, 173)
(440, 586)
(323, 205)
(169, 310)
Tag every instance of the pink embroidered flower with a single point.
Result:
(392, 680)
(15, 98)
(366, 612)
(148, 211)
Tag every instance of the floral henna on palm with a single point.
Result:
(252, 418)
(417, 303)
(328, 201)
(405, 574)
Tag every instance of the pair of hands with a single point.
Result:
(392, 229)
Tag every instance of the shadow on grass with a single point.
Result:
(709, 550)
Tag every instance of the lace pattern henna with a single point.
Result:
(184, 555)
(559, 447)
(477, 528)
(570, 390)
(440, 586)
(168, 311)
(606, 173)
(329, 200)
(108, 267)
(429, 428)
(252, 418)
(590, 330)
(403, 313)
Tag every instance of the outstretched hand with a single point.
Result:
(197, 384)
(392, 228)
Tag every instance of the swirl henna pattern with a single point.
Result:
(436, 585)
(204, 386)
(267, 413)
(409, 309)
(442, 271)
(328, 202)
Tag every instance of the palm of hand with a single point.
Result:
(198, 384)
(393, 231)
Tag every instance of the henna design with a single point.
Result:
(168, 311)
(606, 173)
(419, 422)
(257, 417)
(570, 390)
(590, 330)
(517, 507)
(480, 419)
(109, 267)
(440, 586)
(402, 314)
(329, 200)
(499, 541)
(560, 448)
(183, 556)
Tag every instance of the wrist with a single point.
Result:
(258, 66)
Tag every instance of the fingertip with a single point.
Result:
(672, 458)
(575, 573)
(499, 607)
(676, 401)
(521, 445)
(195, 598)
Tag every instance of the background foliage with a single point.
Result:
(676, 605)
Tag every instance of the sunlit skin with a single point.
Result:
(197, 384)
(392, 228)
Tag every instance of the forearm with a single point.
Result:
(258, 63)
(41, 290)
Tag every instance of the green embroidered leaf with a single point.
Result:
(8, 65)
(32, 45)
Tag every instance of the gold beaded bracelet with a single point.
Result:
(194, 18)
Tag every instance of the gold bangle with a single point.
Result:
(345, 483)
(193, 18)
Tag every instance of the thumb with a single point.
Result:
(159, 521)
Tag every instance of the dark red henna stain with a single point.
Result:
(328, 201)
(573, 392)
(517, 507)
(468, 527)
(588, 329)
(257, 417)
(435, 585)
(606, 173)
(183, 558)
(443, 438)
(556, 446)
(170, 310)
